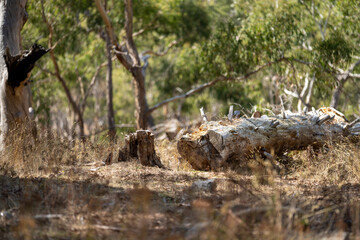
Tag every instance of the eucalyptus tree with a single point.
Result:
(180, 47)
(73, 33)
(290, 39)
(16, 66)
(189, 24)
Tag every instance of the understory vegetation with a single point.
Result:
(304, 51)
(58, 190)
(114, 67)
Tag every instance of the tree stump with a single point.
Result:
(140, 145)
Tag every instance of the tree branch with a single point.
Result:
(107, 22)
(311, 86)
(69, 96)
(92, 83)
(187, 94)
(301, 61)
(53, 58)
(327, 19)
(45, 70)
(20, 66)
(141, 31)
(211, 83)
(293, 94)
(160, 54)
(344, 75)
(321, 27)
(299, 96)
(129, 34)
(312, 13)
(353, 66)
(302, 93)
(120, 51)
(354, 75)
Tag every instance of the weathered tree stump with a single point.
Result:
(140, 145)
(216, 142)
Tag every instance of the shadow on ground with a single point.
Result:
(128, 201)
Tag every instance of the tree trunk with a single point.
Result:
(336, 94)
(140, 99)
(130, 60)
(136, 70)
(69, 96)
(15, 66)
(109, 96)
(216, 143)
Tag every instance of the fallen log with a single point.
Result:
(217, 142)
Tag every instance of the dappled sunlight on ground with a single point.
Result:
(88, 199)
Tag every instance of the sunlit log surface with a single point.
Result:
(216, 142)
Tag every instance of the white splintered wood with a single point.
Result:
(231, 113)
(203, 115)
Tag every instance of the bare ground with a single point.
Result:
(318, 196)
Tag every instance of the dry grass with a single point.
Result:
(57, 190)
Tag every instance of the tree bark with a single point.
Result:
(128, 56)
(342, 77)
(109, 96)
(140, 100)
(136, 70)
(15, 67)
(336, 94)
(216, 143)
(140, 145)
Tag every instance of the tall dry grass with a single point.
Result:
(55, 189)
(335, 163)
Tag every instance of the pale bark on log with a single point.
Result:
(216, 143)
(140, 145)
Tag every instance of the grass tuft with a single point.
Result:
(55, 189)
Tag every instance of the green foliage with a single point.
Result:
(194, 24)
(335, 50)
(215, 38)
(239, 45)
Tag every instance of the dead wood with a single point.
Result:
(140, 145)
(217, 142)
(20, 66)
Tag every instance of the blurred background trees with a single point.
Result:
(306, 51)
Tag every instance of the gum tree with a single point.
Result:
(187, 26)
(16, 66)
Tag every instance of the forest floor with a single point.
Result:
(62, 192)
